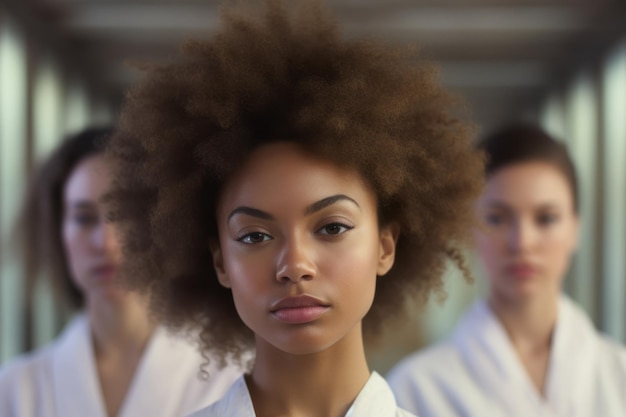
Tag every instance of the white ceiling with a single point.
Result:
(503, 55)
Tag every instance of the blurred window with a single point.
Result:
(13, 160)
(49, 128)
(583, 142)
(553, 116)
(77, 106)
(614, 210)
(48, 104)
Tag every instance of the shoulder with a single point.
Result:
(433, 381)
(424, 367)
(25, 366)
(27, 381)
(425, 364)
(403, 413)
(212, 410)
(376, 399)
(421, 373)
(614, 353)
(24, 379)
(235, 403)
(182, 353)
(198, 381)
(36, 365)
(610, 351)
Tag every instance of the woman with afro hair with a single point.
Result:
(282, 188)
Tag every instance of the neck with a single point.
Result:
(528, 323)
(119, 327)
(316, 384)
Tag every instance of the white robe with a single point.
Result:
(374, 400)
(476, 372)
(60, 380)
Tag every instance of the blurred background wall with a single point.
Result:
(560, 63)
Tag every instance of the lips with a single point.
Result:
(299, 309)
(104, 271)
(522, 270)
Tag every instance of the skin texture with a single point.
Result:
(292, 225)
(528, 235)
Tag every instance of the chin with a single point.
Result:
(517, 294)
(301, 345)
(112, 294)
(303, 350)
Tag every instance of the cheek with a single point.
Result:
(251, 276)
(559, 248)
(353, 269)
(75, 251)
(489, 247)
(71, 242)
(248, 273)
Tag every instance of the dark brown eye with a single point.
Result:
(254, 237)
(494, 219)
(334, 229)
(85, 219)
(547, 219)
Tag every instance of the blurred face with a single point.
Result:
(529, 231)
(92, 250)
(300, 247)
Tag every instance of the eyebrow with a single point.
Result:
(251, 212)
(495, 204)
(82, 205)
(328, 201)
(313, 208)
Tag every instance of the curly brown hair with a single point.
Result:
(285, 75)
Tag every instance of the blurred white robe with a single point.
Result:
(60, 380)
(476, 372)
(374, 400)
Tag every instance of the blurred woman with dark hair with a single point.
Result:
(527, 350)
(113, 359)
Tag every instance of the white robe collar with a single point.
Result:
(489, 354)
(375, 399)
(76, 386)
(77, 390)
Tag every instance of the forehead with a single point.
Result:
(88, 181)
(528, 185)
(282, 171)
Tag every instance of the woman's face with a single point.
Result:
(528, 230)
(300, 247)
(92, 249)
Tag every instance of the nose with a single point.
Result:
(521, 236)
(104, 237)
(295, 262)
